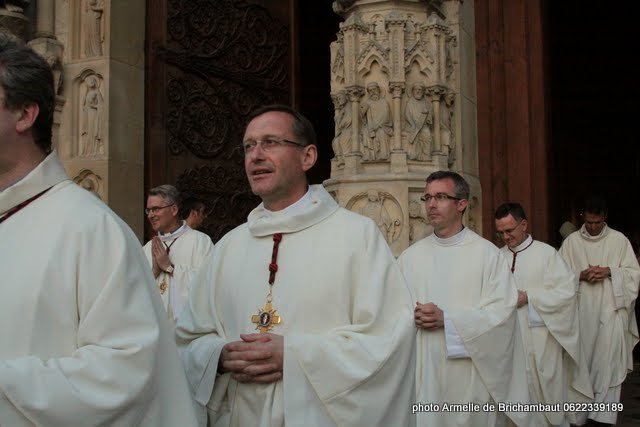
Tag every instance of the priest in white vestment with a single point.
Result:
(548, 319)
(84, 336)
(603, 260)
(469, 350)
(336, 341)
(176, 252)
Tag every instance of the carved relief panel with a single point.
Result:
(384, 53)
(382, 208)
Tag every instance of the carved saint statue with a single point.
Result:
(377, 125)
(93, 116)
(419, 121)
(447, 126)
(342, 140)
(94, 34)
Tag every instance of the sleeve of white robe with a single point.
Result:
(184, 274)
(625, 278)
(104, 381)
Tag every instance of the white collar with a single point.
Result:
(454, 240)
(175, 234)
(524, 245)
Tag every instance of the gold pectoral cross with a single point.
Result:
(266, 318)
(163, 286)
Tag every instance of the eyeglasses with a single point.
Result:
(509, 231)
(267, 144)
(439, 197)
(156, 209)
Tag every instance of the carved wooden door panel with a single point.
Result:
(209, 64)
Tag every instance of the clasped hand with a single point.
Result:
(258, 358)
(428, 316)
(595, 273)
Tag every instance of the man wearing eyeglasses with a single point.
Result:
(603, 260)
(287, 324)
(176, 252)
(548, 318)
(83, 336)
(468, 346)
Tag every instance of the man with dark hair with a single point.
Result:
(469, 348)
(84, 340)
(609, 274)
(548, 318)
(176, 251)
(192, 210)
(336, 342)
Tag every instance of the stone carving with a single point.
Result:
(91, 142)
(377, 125)
(94, 27)
(419, 227)
(419, 124)
(339, 6)
(342, 141)
(56, 67)
(382, 208)
(16, 6)
(89, 181)
(447, 127)
(473, 212)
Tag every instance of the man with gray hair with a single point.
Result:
(84, 340)
(177, 250)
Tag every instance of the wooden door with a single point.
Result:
(209, 63)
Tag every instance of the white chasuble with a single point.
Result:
(84, 336)
(188, 248)
(556, 365)
(467, 278)
(608, 328)
(346, 320)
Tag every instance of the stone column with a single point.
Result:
(394, 45)
(45, 19)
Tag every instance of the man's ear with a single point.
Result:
(310, 156)
(27, 116)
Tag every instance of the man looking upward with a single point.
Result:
(335, 341)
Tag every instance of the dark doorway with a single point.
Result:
(594, 114)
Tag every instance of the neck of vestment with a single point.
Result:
(177, 232)
(48, 173)
(521, 247)
(454, 240)
(313, 207)
(585, 234)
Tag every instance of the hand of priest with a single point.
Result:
(523, 298)
(257, 358)
(428, 316)
(159, 253)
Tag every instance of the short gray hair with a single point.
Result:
(167, 192)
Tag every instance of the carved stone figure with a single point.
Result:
(419, 228)
(419, 122)
(93, 116)
(16, 6)
(56, 66)
(93, 16)
(377, 125)
(342, 140)
(89, 181)
(340, 6)
(447, 126)
(374, 209)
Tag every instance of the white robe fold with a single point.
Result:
(84, 336)
(556, 365)
(608, 326)
(471, 282)
(346, 321)
(187, 253)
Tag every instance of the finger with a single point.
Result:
(256, 369)
(255, 337)
(249, 354)
(268, 378)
